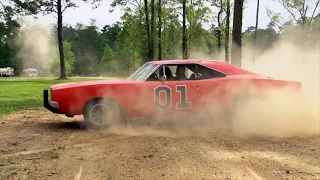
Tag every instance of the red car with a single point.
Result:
(169, 87)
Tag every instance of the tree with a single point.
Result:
(223, 25)
(152, 30)
(69, 60)
(227, 32)
(256, 31)
(184, 31)
(219, 29)
(59, 11)
(298, 10)
(150, 49)
(265, 38)
(110, 33)
(55, 6)
(236, 33)
(107, 59)
(159, 29)
(136, 9)
(172, 30)
(88, 47)
(197, 14)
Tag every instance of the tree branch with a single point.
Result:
(284, 5)
(139, 4)
(224, 19)
(135, 5)
(64, 9)
(312, 16)
(300, 11)
(2, 4)
(281, 25)
(218, 6)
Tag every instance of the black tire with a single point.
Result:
(102, 113)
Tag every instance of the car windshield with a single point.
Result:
(142, 73)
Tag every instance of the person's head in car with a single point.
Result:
(180, 72)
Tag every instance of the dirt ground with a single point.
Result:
(36, 144)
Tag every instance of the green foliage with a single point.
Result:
(196, 16)
(265, 38)
(108, 59)
(69, 60)
(108, 55)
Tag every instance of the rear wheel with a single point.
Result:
(102, 113)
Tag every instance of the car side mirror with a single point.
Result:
(164, 78)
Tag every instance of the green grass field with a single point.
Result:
(21, 93)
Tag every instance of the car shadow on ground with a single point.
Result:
(63, 125)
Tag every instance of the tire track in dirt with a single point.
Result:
(43, 150)
(78, 175)
(254, 174)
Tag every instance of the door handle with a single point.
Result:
(197, 86)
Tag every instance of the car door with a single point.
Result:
(168, 96)
(183, 94)
(164, 97)
(178, 95)
(212, 90)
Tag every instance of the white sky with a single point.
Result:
(84, 13)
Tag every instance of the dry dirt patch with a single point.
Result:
(35, 144)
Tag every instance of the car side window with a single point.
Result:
(188, 72)
(173, 72)
(207, 73)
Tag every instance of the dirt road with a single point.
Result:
(34, 144)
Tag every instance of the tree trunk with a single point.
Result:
(227, 33)
(184, 33)
(304, 34)
(236, 54)
(219, 27)
(148, 30)
(60, 41)
(303, 18)
(159, 30)
(142, 34)
(172, 43)
(152, 30)
(256, 32)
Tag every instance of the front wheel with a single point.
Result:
(102, 113)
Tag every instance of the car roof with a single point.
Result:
(220, 66)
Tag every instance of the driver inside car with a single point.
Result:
(180, 73)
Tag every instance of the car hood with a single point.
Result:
(90, 83)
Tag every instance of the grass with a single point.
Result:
(54, 154)
(21, 93)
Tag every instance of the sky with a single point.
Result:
(103, 17)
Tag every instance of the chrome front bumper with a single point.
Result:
(50, 105)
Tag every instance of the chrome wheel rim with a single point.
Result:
(100, 114)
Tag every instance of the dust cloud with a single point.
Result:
(285, 113)
(35, 42)
(282, 113)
